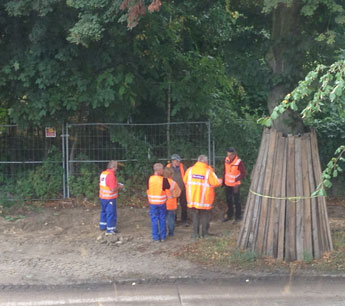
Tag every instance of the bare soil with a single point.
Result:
(61, 244)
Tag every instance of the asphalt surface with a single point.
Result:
(274, 290)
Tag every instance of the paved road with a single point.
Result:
(245, 291)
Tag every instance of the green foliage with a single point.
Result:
(5, 200)
(323, 90)
(3, 116)
(243, 257)
(331, 171)
(339, 239)
(230, 130)
(44, 182)
(86, 183)
(13, 218)
(308, 257)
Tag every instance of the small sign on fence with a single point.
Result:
(50, 132)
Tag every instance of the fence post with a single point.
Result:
(67, 161)
(63, 161)
(209, 140)
(213, 154)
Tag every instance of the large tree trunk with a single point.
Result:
(285, 36)
(281, 219)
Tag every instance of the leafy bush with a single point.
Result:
(243, 256)
(331, 134)
(44, 182)
(86, 183)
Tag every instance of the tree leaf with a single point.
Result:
(274, 115)
(268, 122)
(335, 173)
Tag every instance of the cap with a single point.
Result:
(176, 157)
(231, 150)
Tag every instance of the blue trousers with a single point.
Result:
(158, 215)
(108, 216)
(171, 222)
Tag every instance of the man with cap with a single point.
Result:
(234, 172)
(179, 171)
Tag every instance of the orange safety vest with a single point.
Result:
(232, 172)
(181, 169)
(104, 191)
(200, 181)
(172, 194)
(155, 194)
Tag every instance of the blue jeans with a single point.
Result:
(108, 216)
(171, 221)
(158, 215)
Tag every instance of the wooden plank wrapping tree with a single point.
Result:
(281, 218)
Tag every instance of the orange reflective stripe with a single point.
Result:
(200, 193)
(231, 171)
(155, 193)
(104, 191)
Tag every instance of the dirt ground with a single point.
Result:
(61, 244)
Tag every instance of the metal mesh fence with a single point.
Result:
(31, 164)
(39, 167)
(137, 146)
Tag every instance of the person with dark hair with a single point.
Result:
(108, 192)
(234, 172)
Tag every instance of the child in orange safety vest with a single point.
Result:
(172, 194)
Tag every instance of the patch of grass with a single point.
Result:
(219, 251)
(308, 257)
(339, 239)
(13, 218)
(243, 257)
(333, 261)
(222, 252)
(12, 209)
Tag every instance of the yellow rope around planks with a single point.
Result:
(291, 199)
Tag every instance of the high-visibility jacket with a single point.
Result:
(181, 169)
(232, 171)
(172, 194)
(105, 192)
(155, 193)
(200, 181)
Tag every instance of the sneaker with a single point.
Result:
(227, 219)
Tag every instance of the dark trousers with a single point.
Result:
(200, 217)
(183, 204)
(233, 197)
